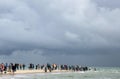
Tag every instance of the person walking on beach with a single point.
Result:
(2, 68)
(49, 67)
(13, 68)
(45, 69)
(5, 68)
(23, 66)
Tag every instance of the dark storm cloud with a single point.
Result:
(59, 27)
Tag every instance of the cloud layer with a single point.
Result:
(19, 56)
(67, 27)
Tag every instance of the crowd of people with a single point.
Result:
(5, 67)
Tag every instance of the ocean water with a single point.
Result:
(100, 73)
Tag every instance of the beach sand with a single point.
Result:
(33, 71)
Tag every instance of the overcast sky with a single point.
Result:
(85, 32)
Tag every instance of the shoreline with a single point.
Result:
(13, 69)
(33, 71)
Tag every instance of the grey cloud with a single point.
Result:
(27, 57)
(67, 27)
(108, 3)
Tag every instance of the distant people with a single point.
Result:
(42, 66)
(20, 66)
(13, 68)
(45, 69)
(5, 68)
(38, 66)
(23, 66)
(2, 68)
(30, 66)
(17, 66)
(49, 67)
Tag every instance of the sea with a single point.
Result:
(100, 73)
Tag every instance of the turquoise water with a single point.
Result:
(100, 73)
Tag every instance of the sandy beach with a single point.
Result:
(13, 69)
(37, 71)
(33, 71)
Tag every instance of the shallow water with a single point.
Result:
(101, 73)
